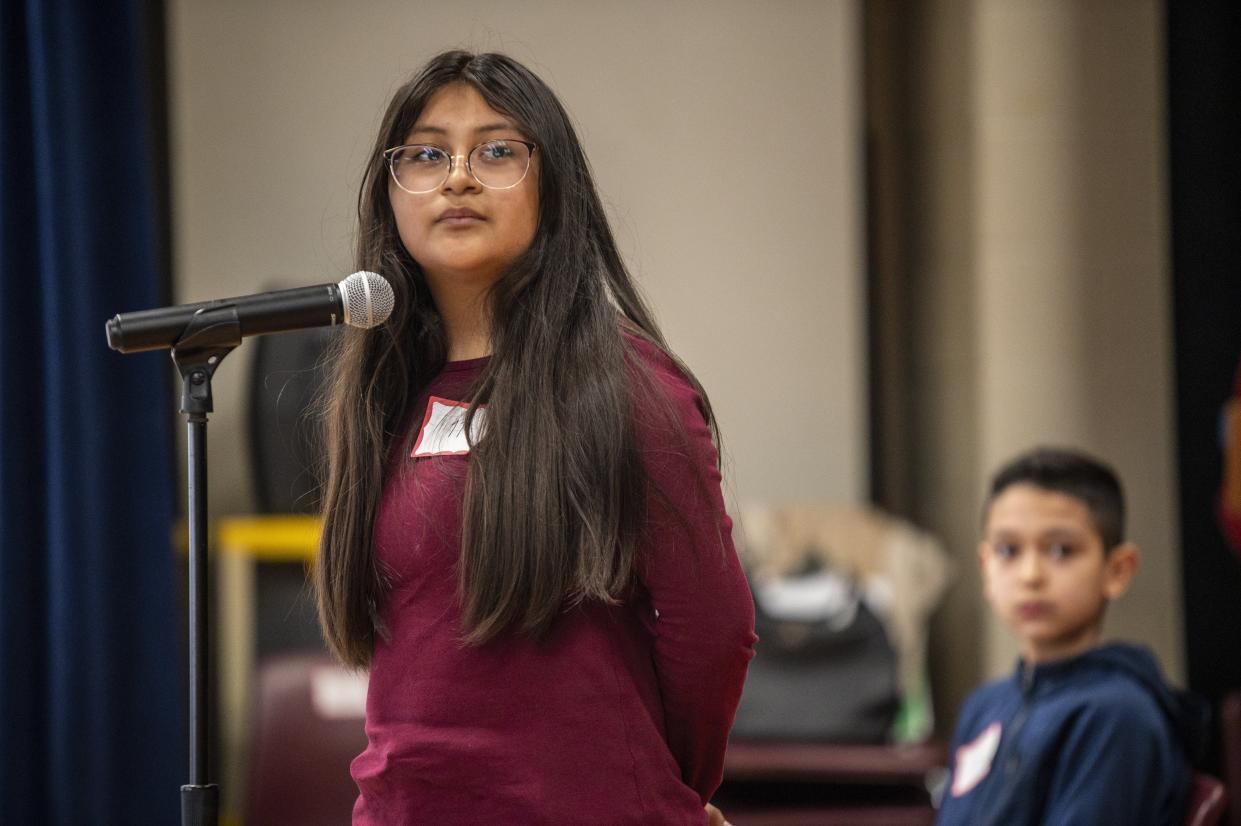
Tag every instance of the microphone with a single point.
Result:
(364, 300)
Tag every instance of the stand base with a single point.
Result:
(200, 805)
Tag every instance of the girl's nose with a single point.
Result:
(459, 178)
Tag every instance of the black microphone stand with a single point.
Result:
(212, 333)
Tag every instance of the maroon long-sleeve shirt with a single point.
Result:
(619, 715)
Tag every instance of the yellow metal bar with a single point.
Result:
(270, 538)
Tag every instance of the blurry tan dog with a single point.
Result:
(902, 571)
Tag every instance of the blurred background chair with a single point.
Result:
(1207, 802)
(1230, 748)
(307, 727)
(285, 375)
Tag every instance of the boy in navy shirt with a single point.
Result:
(1083, 732)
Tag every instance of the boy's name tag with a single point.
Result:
(974, 758)
(443, 429)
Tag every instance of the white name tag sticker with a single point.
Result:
(338, 694)
(443, 429)
(973, 760)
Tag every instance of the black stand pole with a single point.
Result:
(209, 337)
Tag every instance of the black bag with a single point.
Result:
(824, 672)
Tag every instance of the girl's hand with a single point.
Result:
(715, 817)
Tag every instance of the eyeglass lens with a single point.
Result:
(495, 164)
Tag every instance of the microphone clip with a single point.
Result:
(214, 331)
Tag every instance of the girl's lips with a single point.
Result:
(459, 215)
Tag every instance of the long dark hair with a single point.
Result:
(555, 493)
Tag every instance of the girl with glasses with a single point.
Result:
(524, 536)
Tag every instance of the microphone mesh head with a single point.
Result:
(367, 299)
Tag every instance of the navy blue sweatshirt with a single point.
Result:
(1094, 739)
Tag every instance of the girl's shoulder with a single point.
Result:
(650, 353)
(670, 412)
(665, 373)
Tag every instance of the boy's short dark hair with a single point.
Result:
(1073, 474)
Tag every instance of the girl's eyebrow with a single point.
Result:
(489, 127)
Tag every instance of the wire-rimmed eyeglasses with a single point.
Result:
(419, 168)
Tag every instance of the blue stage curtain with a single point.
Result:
(91, 720)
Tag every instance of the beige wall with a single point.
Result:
(753, 267)
(1043, 266)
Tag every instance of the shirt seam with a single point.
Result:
(633, 760)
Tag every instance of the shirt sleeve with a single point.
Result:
(704, 626)
(1116, 766)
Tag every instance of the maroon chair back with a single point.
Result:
(1230, 746)
(1207, 802)
(308, 727)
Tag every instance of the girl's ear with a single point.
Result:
(1119, 569)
